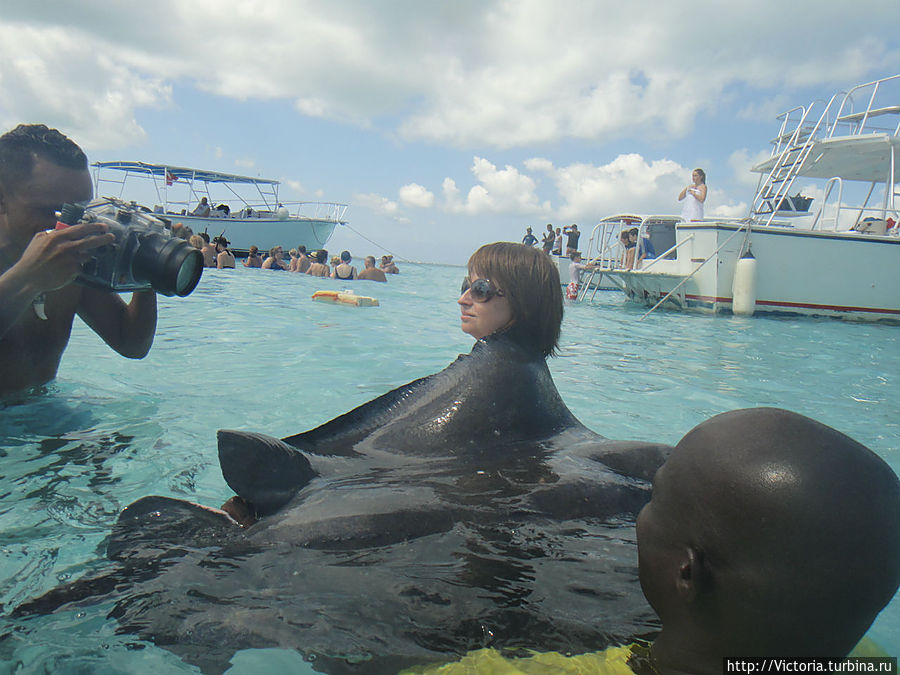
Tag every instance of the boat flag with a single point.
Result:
(170, 178)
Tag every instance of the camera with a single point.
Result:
(145, 255)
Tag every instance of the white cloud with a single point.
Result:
(584, 192)
(49, 75)
(539, 164)
(294, 185)
(628, 183)
(740, 162)
(377, 203)
(505, 190)
(474, 73)
(245, 163)
(738, 210)
(414, 194)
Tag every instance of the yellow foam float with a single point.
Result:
(344, 298)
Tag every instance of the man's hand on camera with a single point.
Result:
(54, 258)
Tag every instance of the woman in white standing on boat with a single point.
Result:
(695, 195)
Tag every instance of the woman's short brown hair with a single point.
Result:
(531, 284)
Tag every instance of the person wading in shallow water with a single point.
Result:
(40, 170)
(254, 259)
(371, 273)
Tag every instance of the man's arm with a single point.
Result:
(50, 261)
(17, 293)
(129, 329)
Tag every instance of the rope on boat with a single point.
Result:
(384, 248)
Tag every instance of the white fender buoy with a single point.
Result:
(743, 286)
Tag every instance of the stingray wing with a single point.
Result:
(340, 435)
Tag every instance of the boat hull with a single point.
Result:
(837, 274)
(264, 233)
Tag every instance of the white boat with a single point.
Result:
(253, 216)
(794, 254)
(606, 253)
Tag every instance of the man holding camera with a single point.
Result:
(40, 170)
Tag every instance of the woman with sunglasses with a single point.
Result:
(513, 290)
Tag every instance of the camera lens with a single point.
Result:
(171, 266)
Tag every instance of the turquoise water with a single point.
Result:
(250, 350)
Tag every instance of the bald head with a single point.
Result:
(794, 528)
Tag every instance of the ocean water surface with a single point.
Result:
(250, 350)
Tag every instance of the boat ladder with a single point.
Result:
(799, 133)
(792, 146)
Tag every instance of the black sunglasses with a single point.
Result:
(481, 290)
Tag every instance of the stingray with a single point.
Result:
(466, 509)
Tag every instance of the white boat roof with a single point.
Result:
(182, 173)
(635, 218)
(862, 157)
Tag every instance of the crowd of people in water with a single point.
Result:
(218, 254)
(317, 264)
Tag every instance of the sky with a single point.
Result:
(443, 125)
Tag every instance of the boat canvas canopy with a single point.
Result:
(182, 173)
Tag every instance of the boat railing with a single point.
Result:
(836, 180)
(870, 118)
(606, 237)
(665, 253)
(604, 240)
(250, 210)
(791, 129)
(332, 211)
(714, 254)
(876, 214)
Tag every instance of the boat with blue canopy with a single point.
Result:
(245, 210)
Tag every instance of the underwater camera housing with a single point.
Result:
(144, 256)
